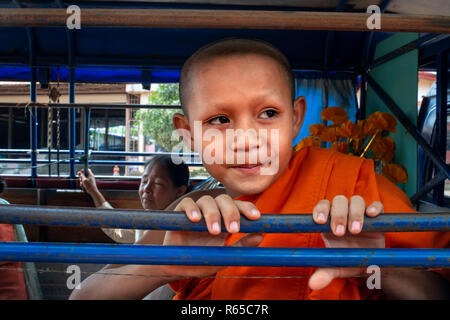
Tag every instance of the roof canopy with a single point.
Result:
(146, 55)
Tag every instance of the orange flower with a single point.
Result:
(379, 121)
(316, 129)
(307, 142)
(395, 173)
(348, 129)
(337, 115)
(329, 135)
(383, 149)
(341, 147)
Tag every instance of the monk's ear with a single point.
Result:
(181, 124)
(299, 114)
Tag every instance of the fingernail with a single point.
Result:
(340, 229)
(216, 227)
(255, 212)
(371, 210)
(195, 214)
(321, 217)
(234, 227)
(356, 226)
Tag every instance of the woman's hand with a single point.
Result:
(87, 183)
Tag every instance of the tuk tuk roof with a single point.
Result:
(156, 54)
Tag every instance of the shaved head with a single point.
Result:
(230, 48)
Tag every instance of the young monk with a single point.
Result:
(248, 85)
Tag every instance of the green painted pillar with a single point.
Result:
(399, 78)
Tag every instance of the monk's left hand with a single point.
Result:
(347, 219)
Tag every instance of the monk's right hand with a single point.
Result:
(213, 209)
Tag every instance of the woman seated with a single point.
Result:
(161, 184)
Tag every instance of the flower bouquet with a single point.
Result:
(365, 138)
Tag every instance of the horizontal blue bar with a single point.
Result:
(93, 162)
(99, 152)
(166, 220)
(222, 256)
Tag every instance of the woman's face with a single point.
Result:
(157, 190)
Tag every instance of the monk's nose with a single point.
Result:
(245, 137)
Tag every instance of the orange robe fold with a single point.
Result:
(312, 175)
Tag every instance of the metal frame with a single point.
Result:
(176, 221)
(223, 256)
(267, 223)
(441, 46)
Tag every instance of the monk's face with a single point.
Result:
(242, 106)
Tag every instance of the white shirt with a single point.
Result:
(121, 235)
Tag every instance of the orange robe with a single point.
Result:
(312, 175)
(12, 283)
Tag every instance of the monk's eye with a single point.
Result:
(219, 120)
(268, 114)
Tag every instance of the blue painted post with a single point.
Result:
(222, 256)
(165, 220)
(87, 120)
(33, 126)
(72, 127)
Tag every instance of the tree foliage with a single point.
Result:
(157, 123)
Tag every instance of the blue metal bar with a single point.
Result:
(33, 127)
(87, 120)
(411, 128)
(91, 105)
(92, 162)
(72, 127)
(222, 256)
(166, 220)
(103, 153)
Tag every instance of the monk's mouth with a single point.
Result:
(248, 168)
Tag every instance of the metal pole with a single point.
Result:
(33, 127)
(223, 256)
(224, 19)
(72, 127)
(87, 120)
(412, 130)
(107, 106)
(165, 220)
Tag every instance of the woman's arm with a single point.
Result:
(410, 284)
(122, 282)
(89, 185)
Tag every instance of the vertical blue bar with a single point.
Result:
(441, 118)
(33, 126)
(72, 127)
(87, 120)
